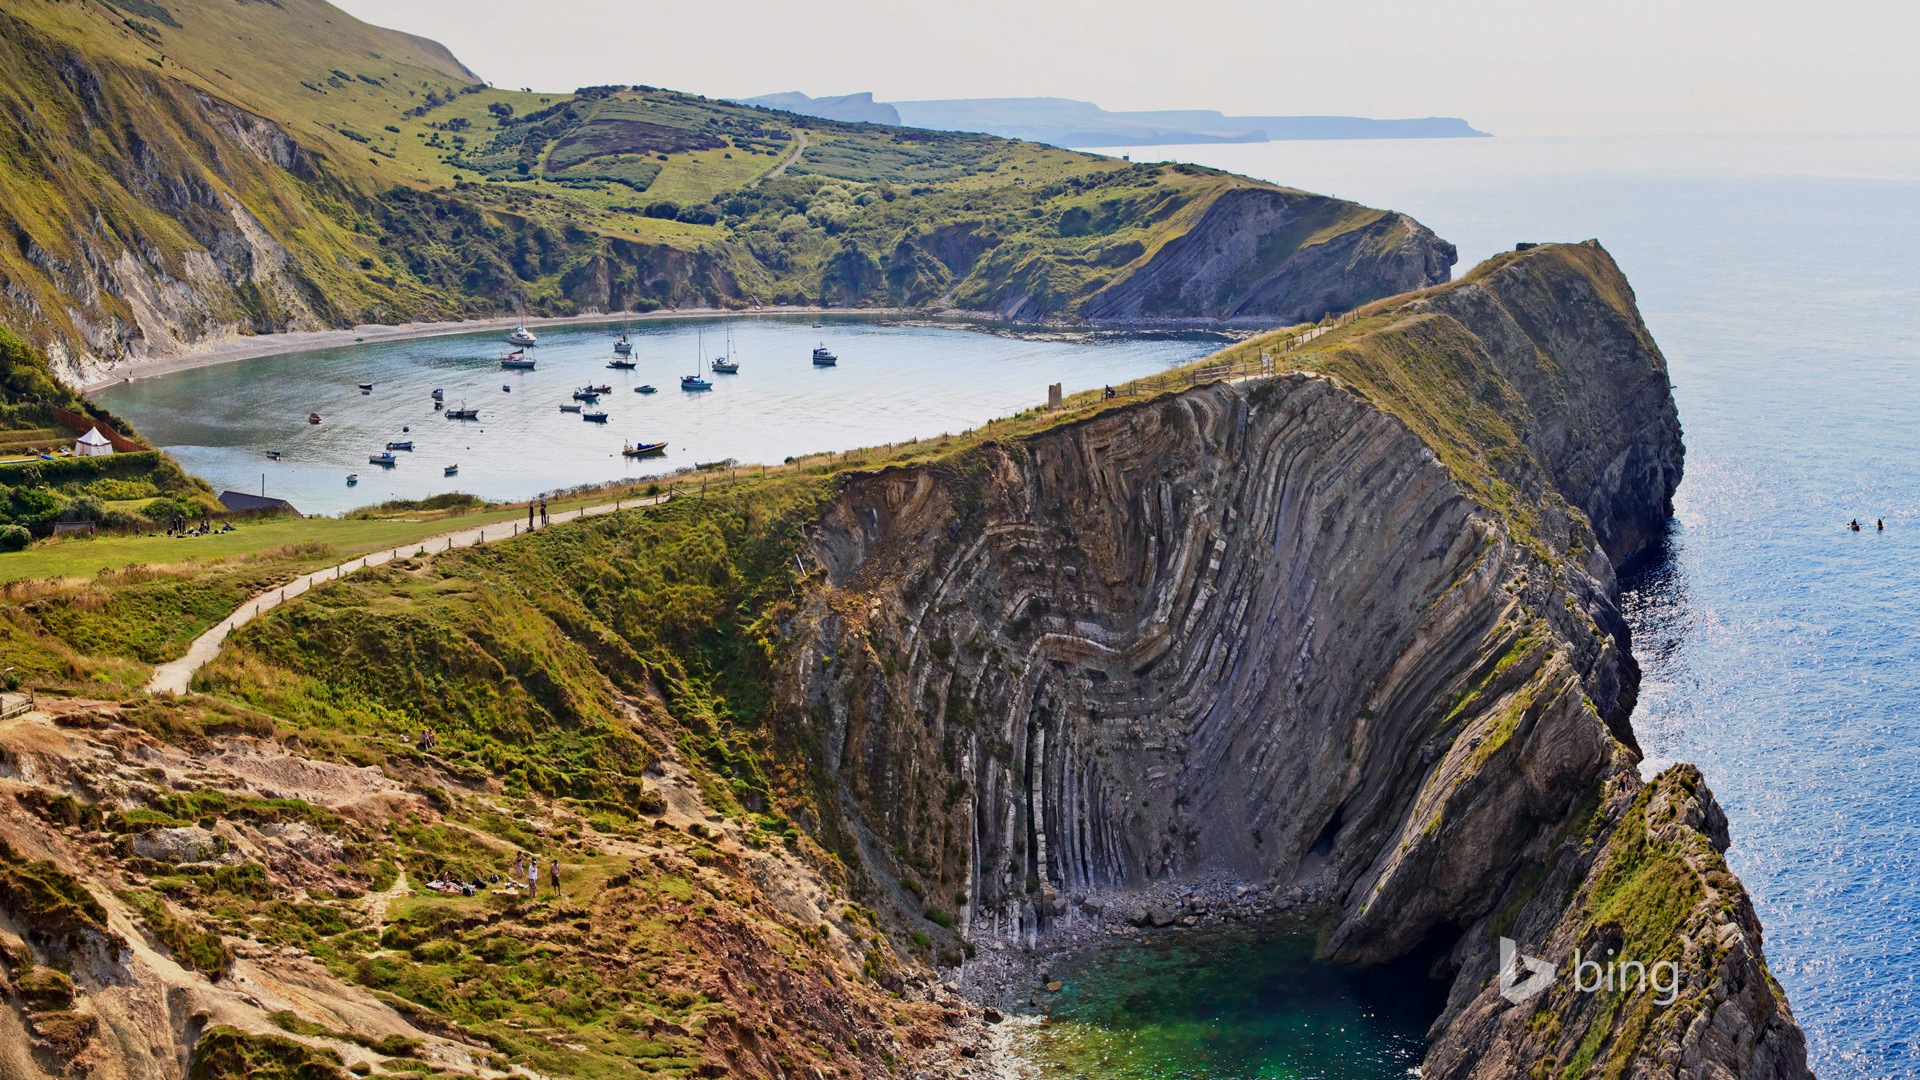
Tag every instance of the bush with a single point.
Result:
(14, 537)
(84, 508)
(663, 209)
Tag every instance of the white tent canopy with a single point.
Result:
(92, 444)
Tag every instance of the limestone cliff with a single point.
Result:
(1348, 630)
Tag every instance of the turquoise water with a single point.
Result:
(893, 383)
(1231, 1005)
(1782, 278)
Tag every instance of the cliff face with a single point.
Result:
(1264, 257)
(1347, 631)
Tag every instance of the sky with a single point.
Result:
(1512, 67)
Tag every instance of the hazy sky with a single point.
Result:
(1509, 66)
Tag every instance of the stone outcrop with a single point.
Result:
(1348, 630)
(1238, 264)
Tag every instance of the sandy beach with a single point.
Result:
(249, 347)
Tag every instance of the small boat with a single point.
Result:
(575, 407)
(273, 455)
(603, 388)
(366, 387)
(438, 405)
(645, 449)
(506, 388)
(522, 336)
(463, 413)
(313, 418)
(386, 459)
(353, 478)
(816, 326)
(622, 365)
(400, 444)
(515, 361)
(723, 366)
(586, 394)
(694, 382)
(623, 347)
(439, 394)
(823, 358)
(645, 388)
(594, 417)
(451, 470)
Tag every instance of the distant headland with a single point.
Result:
(1070, 123)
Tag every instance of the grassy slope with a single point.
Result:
(407, 199)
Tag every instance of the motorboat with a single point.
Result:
(439, 394)
(603, 388)
(451, 470)
(273, 455)
(506, 388)
(645, 449)
(645, 388)
(594, 417)
(384, 458)
(463, 413)
(400, 444)
(586, 393)
(622, 365)
(353, 478)
(522, 337)
(366, 388)
(822, 357)
(623, 347)
(313, 418)
(575, 407)
(438, 405)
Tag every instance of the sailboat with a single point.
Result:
(517, 360)
(724, 366)
(695, 381)
(522, 336)
(623, 347)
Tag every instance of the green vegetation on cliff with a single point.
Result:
(276, 165)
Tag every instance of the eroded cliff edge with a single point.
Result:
(1349, 630)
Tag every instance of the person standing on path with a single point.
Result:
(543, 513)
(533, 878)
(553, 875)
(529, 515)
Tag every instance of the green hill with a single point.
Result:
(178, 170)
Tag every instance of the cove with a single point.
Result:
(1225, 1004)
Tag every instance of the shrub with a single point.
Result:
(14, 537)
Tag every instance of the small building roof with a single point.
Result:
(241, 502)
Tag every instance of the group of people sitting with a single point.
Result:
(524, 875)
(429, 739)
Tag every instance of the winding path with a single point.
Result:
(790, 158)
(175, 676)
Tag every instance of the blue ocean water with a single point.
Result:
(1781, 277)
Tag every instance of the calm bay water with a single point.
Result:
(1781, 276)
(893, 383)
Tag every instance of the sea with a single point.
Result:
(1781, 277)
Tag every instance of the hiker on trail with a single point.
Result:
(533, 878)
(543, 512)
(553, 875)
(529, 515)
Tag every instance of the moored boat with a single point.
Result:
(575, 407)
(273, 455)
(603, 388)
(623, 347)
(366, 387)
(645, 388)
(313, 418)
(622, 365)
(694, 382)
(522, 336)
(721, 364)
(517, 360)
(400, 444)
(451, 470)
(645, 449)
(463, 413)
(353, 478)
(439, 394)
(824, 358)
(594, 417)
(383, 458)
(586, 393)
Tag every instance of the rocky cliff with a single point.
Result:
(1349, 632)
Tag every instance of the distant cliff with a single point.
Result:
(1066, 122)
